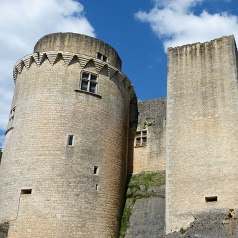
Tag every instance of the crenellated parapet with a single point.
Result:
(68, 58)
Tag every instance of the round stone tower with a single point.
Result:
(63, 169)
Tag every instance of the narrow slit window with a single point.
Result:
(211, 199)
(70, 140)
(26, 191)
(95, 170)
(96, 187)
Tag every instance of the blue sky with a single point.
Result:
(140, 31)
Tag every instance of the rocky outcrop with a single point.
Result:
(143, 214)
(220, 223)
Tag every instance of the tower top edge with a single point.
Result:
(206, 43)
(67, 57)
(78, 44)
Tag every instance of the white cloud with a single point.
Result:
(175, 23)
(22, 23)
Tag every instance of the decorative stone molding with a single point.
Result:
(54, 56)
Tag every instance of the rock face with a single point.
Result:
(210, 225)
(144, 210)
(147, 218)
(144, 213)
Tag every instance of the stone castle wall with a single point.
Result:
(150, 155)
(202, 119)
(50, 188)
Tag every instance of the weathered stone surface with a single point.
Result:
(145, 207)
(210, 225)
(67, 199)
(78, 43)
(147, 219)
(152, 119)
(202, 125)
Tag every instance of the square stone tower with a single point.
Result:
(202, 126)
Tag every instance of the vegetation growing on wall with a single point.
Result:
(143, 185)
(148, 122)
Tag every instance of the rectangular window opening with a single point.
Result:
(102, 57)
(96, 187)
(211, 199)
(99, 56)
(88, 82)
(92, 87)
(144, 140)
(84, 85)
(26, 191)
(141, 138)
(138, 141)
(70, 139)
(85, 75)
(95, 170)
(138, 134)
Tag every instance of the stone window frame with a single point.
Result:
(141, 138)
(87, 79)
(102, 57)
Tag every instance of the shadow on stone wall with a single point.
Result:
(4, 229)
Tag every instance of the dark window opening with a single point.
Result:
(211, 199)
(138, 141)
(141, 138)
(85, 75)
(144, 133)
(102, 57)
(92, 87)
(88, 82)
(70, 139)
(95, 170)
(138, 133)
(97, 187)
(84, 85)
(26, 191)
(144, 140)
